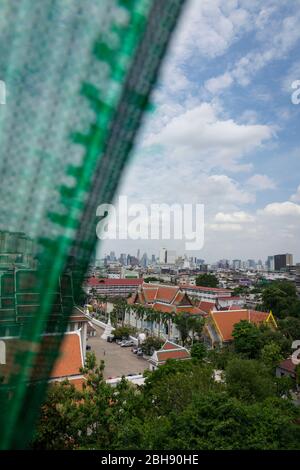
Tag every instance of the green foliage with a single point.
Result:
(180, 407)
(271, 354)
(123, 331)
(198, 351)
(290, 327)
(249, 380)
(207, 280)
(119, 311)
(220, 357)
(249, 340)
(246, 339)
(188, 326)
(240, 290)
(151, 279)
(281, 298)
(151, 344)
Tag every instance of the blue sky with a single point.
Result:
(225, 132)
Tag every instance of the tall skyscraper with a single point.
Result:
(123, 259)
(236, 264)
(167, 256)
(297, 279)
(144, 260)
(163, 255)
(270, 263)
(282, 261)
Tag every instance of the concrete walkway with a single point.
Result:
(118, 361)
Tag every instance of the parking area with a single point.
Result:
(118, 361)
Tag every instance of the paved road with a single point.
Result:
(118, 361)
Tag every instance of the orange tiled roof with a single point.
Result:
(163, 307)
(170, 345)
(70, 359)
(226, 319)
(175, 354)
(166, 293)
(206, 306)
(172, 350)
(190, 309)
(78, 383)
(150, 294)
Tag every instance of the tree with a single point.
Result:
(119, 310)
(246, 339)
(151, 279)
(198, 351)
(281, 298)
(290, 327)
(207, 280)
(71, 418)
(151, 344)
(123, 332)
(271, 355)
(180, 407)
(249, 380)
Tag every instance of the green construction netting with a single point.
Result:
(77, 74)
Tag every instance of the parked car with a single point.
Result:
(119, 341)
(110, 338)
(126, 344)
(88, 347)
(139, 352)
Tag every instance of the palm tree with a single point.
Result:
(185, 323)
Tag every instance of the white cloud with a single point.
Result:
(286, 208)
(201, 134)
(261, 182)
(296, 197)
(234, 217)
(284, 38)
(225, 227)
(216, 84)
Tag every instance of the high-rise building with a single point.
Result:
(236, 264)
(144, 260)
(123, 259)
(270, 263)
(167, 256)
(251, 263)
(297, 279)
(163, 255)
(282, 261)
(171, 256)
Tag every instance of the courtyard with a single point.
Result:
(118, 361)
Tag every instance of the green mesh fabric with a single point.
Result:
(78, 74)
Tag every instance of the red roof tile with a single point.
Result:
(170, 345)
(206, 306)
(175, 354)
(70, 359)
(226, 319)
(288, 365)
(163, 308)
